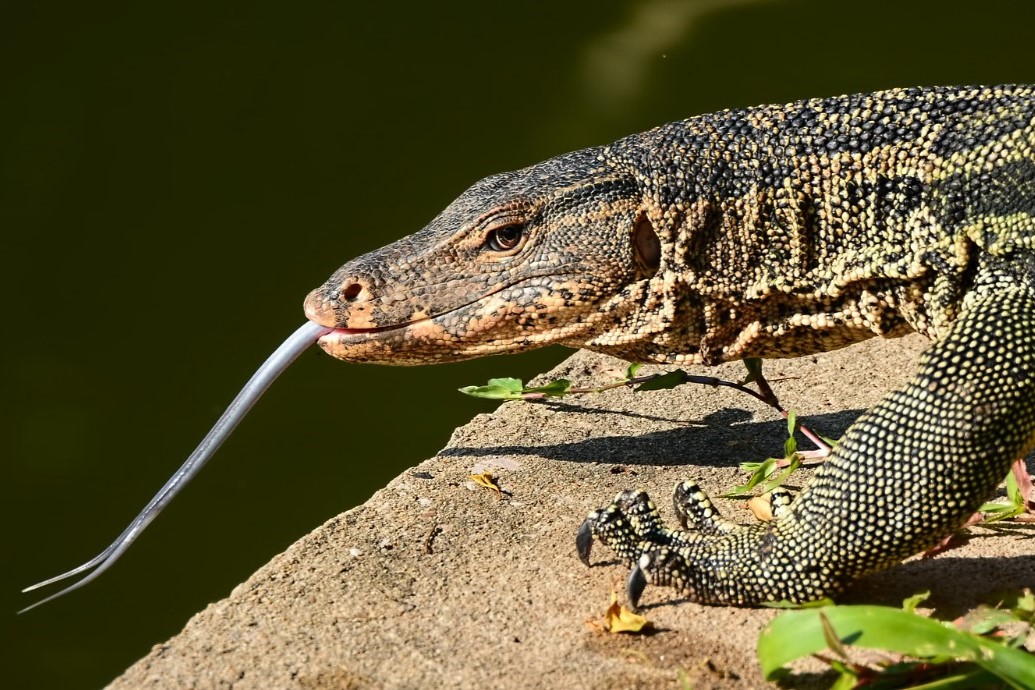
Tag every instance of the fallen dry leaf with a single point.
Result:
(618, 619)
(761, 508)
(488, 481)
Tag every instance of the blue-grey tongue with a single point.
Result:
(282, 357)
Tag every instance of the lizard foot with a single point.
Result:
(632, 527)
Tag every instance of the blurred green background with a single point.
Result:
(176, 176)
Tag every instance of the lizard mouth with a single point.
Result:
(335, 331)
(445, 336)
(337, 335)
(522, 315)
(360, 331)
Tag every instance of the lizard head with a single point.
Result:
(547, 254)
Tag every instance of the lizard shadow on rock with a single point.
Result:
(722, 442)
(957, 584)
(725, 416)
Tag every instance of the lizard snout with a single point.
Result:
(332, 303)
(317, 310)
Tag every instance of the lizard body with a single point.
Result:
(783, 230)
(773, 231)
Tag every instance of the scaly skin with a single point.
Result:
(774, 231)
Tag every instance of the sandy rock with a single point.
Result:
(437, 582)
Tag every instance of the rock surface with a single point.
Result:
(436, 582)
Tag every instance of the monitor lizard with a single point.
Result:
(772, 231)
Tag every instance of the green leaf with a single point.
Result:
(1015, 504)
(847, 678)
(762, 470)
(514, 385)
(795, 634)
(1024, 606)
(754, 367)
(669, 379)
(790, 446)
(907, 675)
(1013, 492)
(497, 389)
(514, 389)
(630, 373)
(830, 636)
(753, 466)
(995, 508)
(780, 478)
(556, 388)
(994, 512)
(969, 678)
(910, 603)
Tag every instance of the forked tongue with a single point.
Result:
(288, 352)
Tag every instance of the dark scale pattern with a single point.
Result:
(774, 231)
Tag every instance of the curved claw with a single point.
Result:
(584, 540)
(634, 586)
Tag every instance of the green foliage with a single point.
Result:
(556, 388)
(790, 447)
(912, 602)
(767, 475)
(985, 652)
(514, 389)
(497, 389)
(1015, 505)
(758, 472)
(793, 464)
(754, 367)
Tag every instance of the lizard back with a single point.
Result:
(803, 227)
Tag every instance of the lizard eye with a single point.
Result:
(506, 238)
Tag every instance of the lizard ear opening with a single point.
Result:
(646, 246)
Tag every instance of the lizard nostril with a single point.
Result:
(351, 292)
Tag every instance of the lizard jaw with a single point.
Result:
(390, 344)
(422, 341)
(491, 324)
(364, 344)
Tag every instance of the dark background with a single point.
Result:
(176, 176)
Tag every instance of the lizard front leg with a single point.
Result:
(907, 473)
